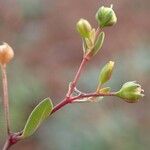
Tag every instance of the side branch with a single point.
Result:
(72, 86)
(81, 96)
(74, 82)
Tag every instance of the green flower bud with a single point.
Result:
(106, 16)
(105, 90)
(84, 28)
(131, 92)
(106, 72)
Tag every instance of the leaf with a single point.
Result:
(93, 35)
(84, 46)
(89, 43)
(99, 43)
(37, 116)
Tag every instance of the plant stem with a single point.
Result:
(81, 96)
(76, 78)
(91, 95)
(68, 99)
(5, 98)
(11, 140)
(60, 105)
(7, 145)
(72, 86)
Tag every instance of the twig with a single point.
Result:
(5, 98)
(81, 96)
(11, 140)
(91, 95)
(74, 82)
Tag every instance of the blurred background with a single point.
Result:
(48, 52)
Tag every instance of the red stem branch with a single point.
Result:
(72, 86)
(91, 95)
(76, 78)
(60, 105)
(11, 140)
(72, 99)
(68, 99)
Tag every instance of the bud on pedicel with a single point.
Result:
(131, 92)
(106, 72)
(6, 53)
(105, 90)
(106, 16)
(84, 28)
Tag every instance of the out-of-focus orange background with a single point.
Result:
(48, 52)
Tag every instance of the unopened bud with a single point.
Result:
(84, 28)
(6, 53)
(131, 92)
(106, 16)
(106, 72)
(105, 90)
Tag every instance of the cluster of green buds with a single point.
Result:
(88, 34)
(92, 40)
(130, 92)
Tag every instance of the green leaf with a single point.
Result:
(85, 48)
(93, 35)
(37, 116)
(89, 43)
(99, 43)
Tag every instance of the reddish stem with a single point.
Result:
(91, 95)
(72, 86)
(11, 140)
(74, 82)
(81, 96)
(5, 98)
(79, 71)
(60, 105)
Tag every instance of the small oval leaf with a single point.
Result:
(89, 43)
(84, 46)
(99, 43)
(37, 116)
